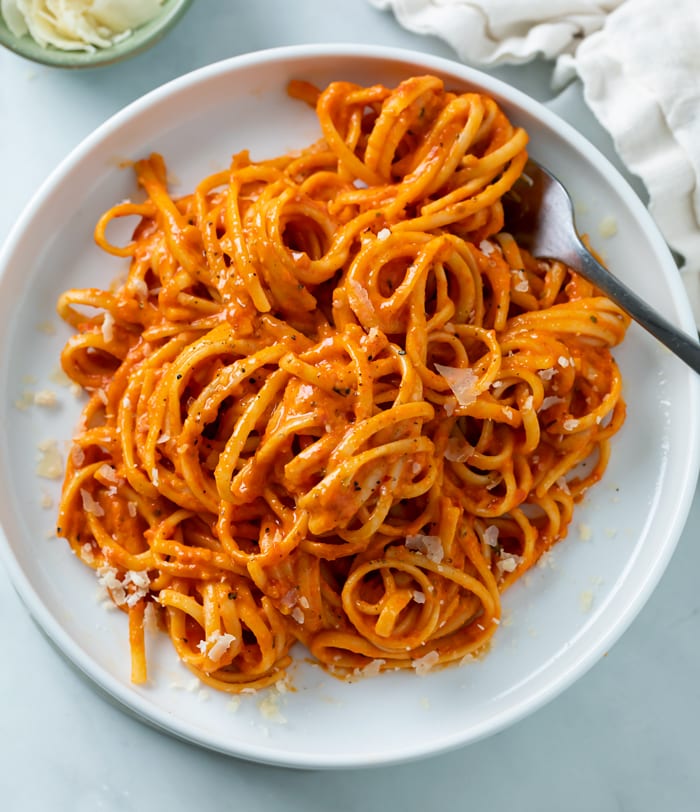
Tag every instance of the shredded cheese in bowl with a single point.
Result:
(77, 25)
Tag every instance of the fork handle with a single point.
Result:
(680, 343)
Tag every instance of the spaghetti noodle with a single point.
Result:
(333, 402)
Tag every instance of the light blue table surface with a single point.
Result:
(622, 738)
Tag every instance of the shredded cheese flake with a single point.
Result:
(108, 473)
(77, 26)
(45, 397)
(491, 535)
(429, 546)
(462, 382)
(458, 450)
(508, 562)
(549, 401)
(363, 300)
(270, 710)
(523, 285)
(563, 485)
(425, 663)
(108, 327)
(219, 644)
(90, 505)
(132, 588)
(50, 464)
(372, 669)
(140, 288)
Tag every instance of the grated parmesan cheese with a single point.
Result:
(289, 599)
(384, 234)
(562, 484)
(45, 397)
(77, 26)
(523, 285)
(508, 562)
(491, 535)
(50, 464)
(108, 473)
(458, 450)
(140, 288)
(549, 401)
(107, 577)
(362, 297)
(418, 597)
(425, 663)
(219, 644)
(108, 327)
(429, 546)
(372, 669)
(270, 710)
(461, 381)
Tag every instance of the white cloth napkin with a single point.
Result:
(639, 62)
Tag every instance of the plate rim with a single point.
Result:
(153, 715)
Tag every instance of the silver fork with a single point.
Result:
(540, 215)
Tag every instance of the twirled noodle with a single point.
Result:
(332, 402)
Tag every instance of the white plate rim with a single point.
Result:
(684, 316)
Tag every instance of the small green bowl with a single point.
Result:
(139, 40)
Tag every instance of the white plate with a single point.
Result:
(634, 517)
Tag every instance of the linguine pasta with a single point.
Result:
(333, 402)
